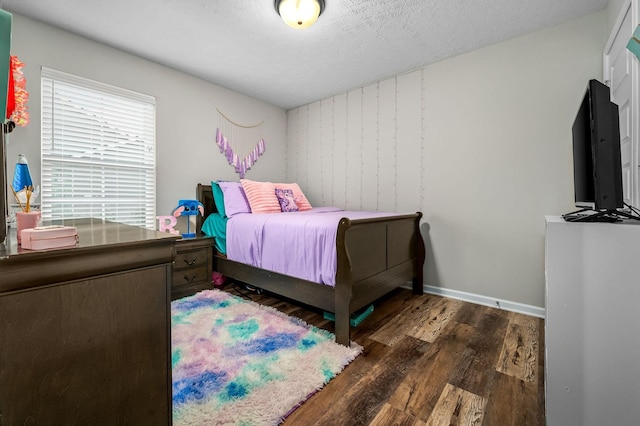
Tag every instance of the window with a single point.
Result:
(98, 151)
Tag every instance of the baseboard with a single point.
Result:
(521, 308)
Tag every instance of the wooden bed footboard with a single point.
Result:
(374, 257)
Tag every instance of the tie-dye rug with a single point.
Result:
(239, 363)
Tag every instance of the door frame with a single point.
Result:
(628, 6)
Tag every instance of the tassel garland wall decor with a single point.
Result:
(245, 151)
(241, 166)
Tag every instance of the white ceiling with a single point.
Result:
(244, 45)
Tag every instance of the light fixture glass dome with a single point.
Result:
(299, 13)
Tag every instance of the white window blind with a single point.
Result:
(98, 151)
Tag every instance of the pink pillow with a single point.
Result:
(261, 195)
(298, 196)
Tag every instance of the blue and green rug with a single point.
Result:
(236, 362)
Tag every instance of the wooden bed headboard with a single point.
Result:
(204, 194)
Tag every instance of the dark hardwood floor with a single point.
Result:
(429, 360)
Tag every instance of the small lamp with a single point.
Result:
(21, 175)
(22, 185)
(299, 13)
(188, 208)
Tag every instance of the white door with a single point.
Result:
(620, 74)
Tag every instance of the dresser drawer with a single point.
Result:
(191, 259)
(190, 276)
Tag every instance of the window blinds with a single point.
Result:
(98, 151)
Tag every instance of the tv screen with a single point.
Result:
(597, 170)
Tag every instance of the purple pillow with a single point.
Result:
(285, 198)
(234, 199)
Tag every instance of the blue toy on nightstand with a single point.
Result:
(188, 208)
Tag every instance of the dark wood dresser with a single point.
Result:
(85, 331)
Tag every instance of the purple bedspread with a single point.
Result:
(299, 244)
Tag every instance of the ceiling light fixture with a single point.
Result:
(299, 13)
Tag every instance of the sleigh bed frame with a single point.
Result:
(374, 257)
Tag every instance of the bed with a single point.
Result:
(374, 256)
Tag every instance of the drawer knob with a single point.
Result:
(191, 261)
(190, 279)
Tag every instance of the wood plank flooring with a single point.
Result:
(429, 360)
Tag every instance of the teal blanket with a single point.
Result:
(215, 226)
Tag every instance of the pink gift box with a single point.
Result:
(49, 237)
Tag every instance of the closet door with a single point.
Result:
(621, 75)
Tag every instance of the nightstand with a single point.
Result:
(193, 266)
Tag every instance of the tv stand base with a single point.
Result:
(609, 215)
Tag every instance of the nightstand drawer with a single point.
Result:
(190, 276)
(192, 266)
(191, 259)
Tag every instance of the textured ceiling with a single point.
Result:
(244, 45)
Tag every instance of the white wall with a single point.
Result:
(186, 110)
(481, 143)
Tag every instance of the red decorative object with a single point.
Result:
(11, 93)
(17, 95)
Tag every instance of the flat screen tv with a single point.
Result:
(597, 170)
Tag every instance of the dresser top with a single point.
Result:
(103, 248)
(92, 233)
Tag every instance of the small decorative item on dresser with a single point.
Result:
(25, 221)
(49, 237)
(188, 208)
